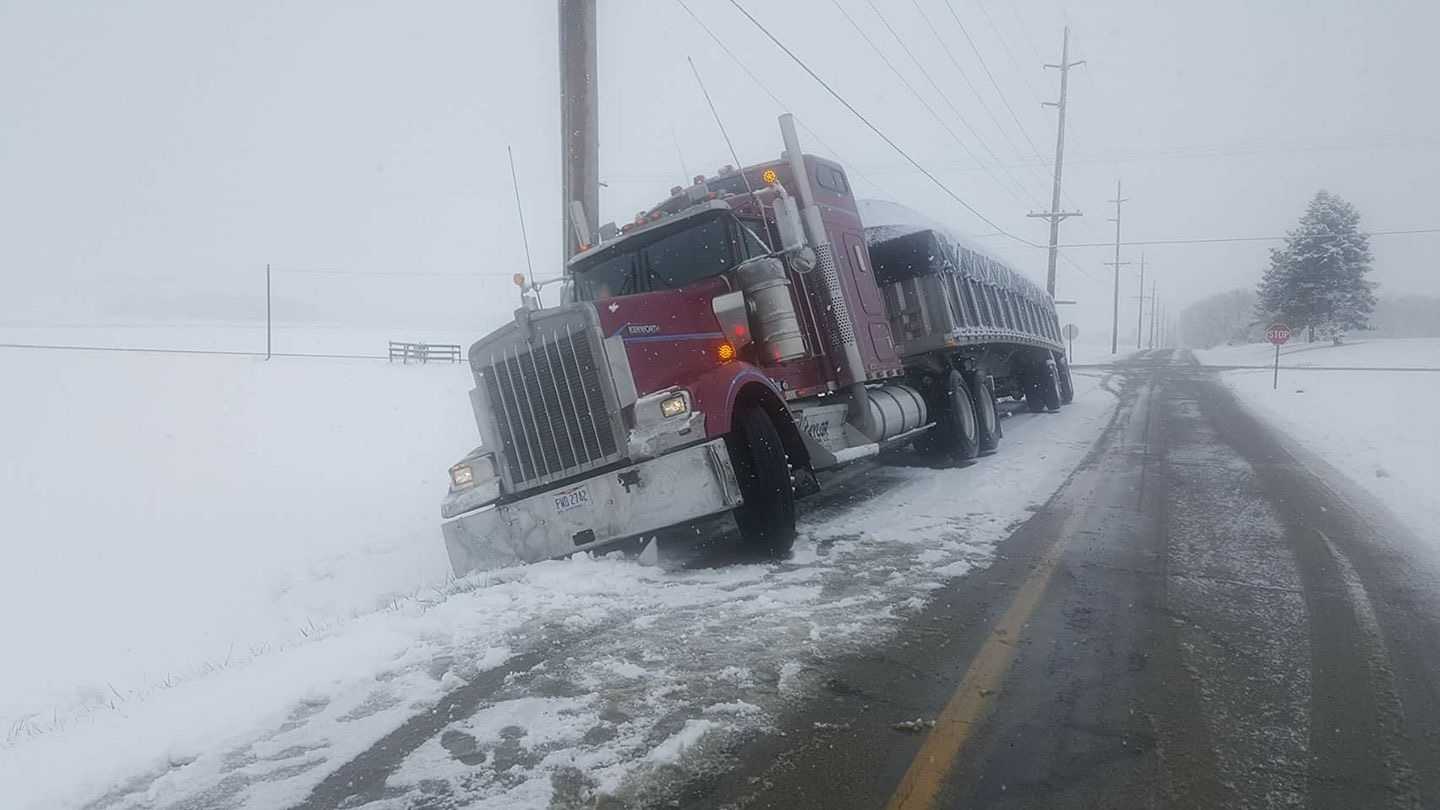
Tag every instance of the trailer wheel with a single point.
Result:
(1042, 388)
(1034, 391)
(767, 518)
(1067, 385)
(1050, 385)
(956, 435)
(987, 418)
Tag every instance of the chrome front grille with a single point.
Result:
(550, 401)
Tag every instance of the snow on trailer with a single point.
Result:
(944, 294)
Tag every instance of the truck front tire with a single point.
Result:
(767, 518)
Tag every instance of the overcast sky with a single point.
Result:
(156, 154)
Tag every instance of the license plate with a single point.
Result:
(572, 499)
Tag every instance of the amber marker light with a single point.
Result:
(769, 176)
(725, 352)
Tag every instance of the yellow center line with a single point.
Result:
(971, 702)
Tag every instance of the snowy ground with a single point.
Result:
(234, 582)
(166, 514)
(1376, 427)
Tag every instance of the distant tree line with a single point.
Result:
(1230, 317)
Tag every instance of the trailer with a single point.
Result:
(719, 350)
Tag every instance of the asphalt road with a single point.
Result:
(1202, 617)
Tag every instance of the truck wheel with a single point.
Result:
(1034, 391)
(956, 435)
(1050, 385)
(986, 417)
(1067, 385)
(767, 518)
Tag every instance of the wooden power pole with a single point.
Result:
(1140, 313)
(1117, 264)
(1055, 215)
(579, 120)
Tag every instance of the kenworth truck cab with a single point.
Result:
(713, 354)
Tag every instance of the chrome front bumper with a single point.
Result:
(674, 488)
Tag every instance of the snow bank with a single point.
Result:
(165, 515)
(1374, 426)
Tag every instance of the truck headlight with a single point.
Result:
(473, 470)
(461, 476)
(677, 405)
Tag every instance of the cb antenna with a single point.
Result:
(520, 209)
(739, 167)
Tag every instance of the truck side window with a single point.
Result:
(830, 178)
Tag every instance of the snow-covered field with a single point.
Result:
(1376, 427)
(226, 579)
(167, 514)
(285, 338)
(1355, 352)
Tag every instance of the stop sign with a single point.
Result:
(1277, 333)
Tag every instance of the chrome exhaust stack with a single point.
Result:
(841, 326)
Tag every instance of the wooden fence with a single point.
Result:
(424, 352)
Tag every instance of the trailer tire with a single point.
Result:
(987, 417)
(1042, 387)
(767, 517)
(956, 435)
(1067, 384)
(1050, 385)
(1034, 391)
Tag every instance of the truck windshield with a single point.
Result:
(668, 259)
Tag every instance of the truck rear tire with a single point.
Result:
(1051, 385)
(1067, 385)
(1042, 387)
(956, 435)
(987, 418)
(767, 518)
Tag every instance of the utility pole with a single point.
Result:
(1117, 264)
(267, 311)
(1152, 313)
(1055, 215)
(579, 120)
(1140, 313)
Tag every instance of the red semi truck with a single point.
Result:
(714, 354)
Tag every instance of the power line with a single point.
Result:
(964, 76)
(1219, 239)
(1035, 150)
(949, 102)
(1005, 46)
(878, 132)
(938, 119)
(775, 98)
(999, 91)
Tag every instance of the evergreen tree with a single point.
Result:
(1316, 281)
